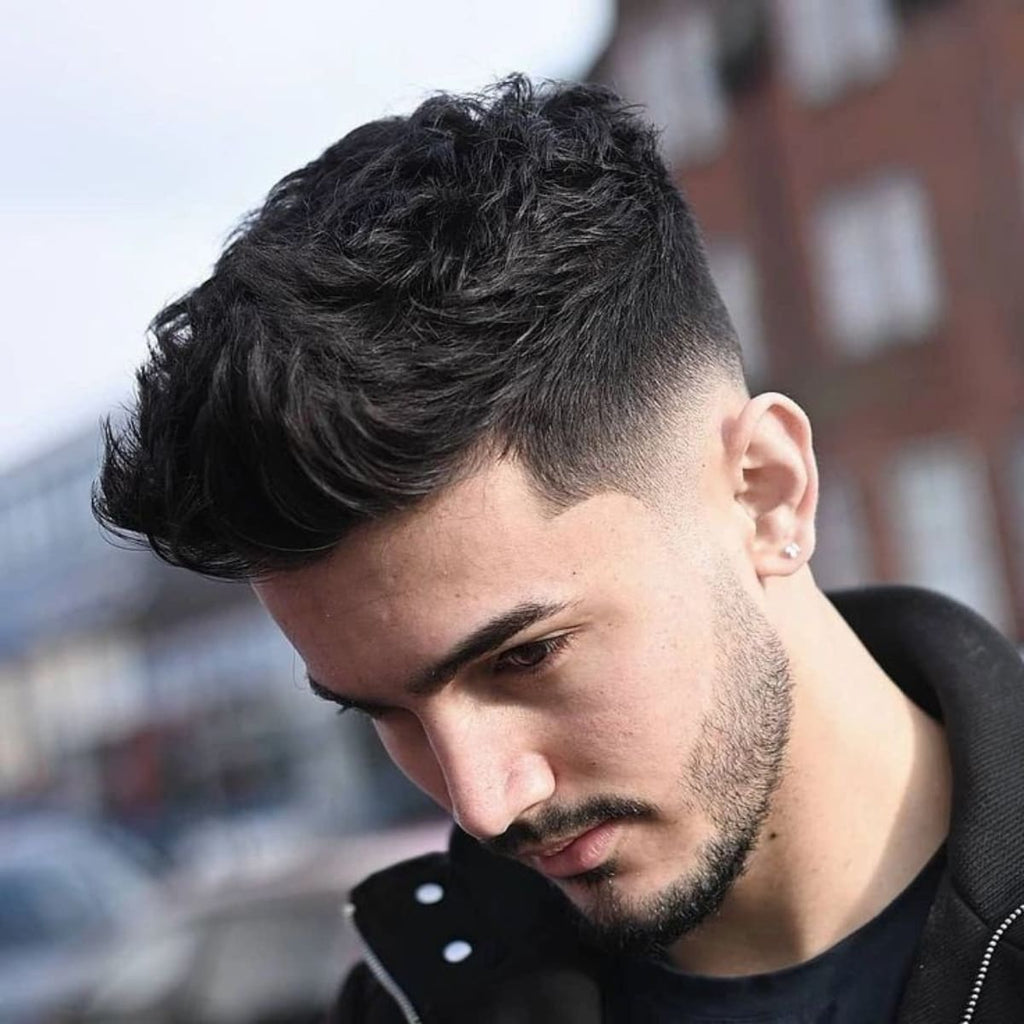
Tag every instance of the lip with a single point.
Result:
(581, 854)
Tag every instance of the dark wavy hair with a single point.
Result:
(505, 274)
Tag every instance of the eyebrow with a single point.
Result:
(483, 640)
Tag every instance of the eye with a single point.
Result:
(533, 656)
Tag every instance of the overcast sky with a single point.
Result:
(135, 136)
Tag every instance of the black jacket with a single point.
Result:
(526, 965)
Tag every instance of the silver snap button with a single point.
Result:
(457, 951)
(429, 892)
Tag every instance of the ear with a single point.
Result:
(775, 482)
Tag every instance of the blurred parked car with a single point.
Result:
(262, 949)
(251, 957)
(227, 851)
(68, 891)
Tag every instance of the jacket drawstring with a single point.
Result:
(380, 972)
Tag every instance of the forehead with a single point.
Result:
(415, 583)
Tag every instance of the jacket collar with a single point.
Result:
(958, 668)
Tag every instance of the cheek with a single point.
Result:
(406, 744)
(636, 710)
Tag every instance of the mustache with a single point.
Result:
(557, 823)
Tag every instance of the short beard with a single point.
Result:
(650, 928)
(736, 767)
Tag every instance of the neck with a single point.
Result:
(862, 806)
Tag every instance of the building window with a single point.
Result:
(1020, 147)
(879, 276)
(735, 274)
(673, 71)
(213, 658)
(85, 690)
(944, 527)
(842, 550)
(1016, 489)
(19, 753)
(831, 44)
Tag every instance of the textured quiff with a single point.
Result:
(507, 274)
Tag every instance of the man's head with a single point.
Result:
(513, 274)
(464, 404)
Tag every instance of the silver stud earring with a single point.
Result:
(791, 550)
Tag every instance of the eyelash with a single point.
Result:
(550, 646)
(371, 713)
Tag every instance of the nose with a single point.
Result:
(492, 771)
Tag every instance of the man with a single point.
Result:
(462, 402)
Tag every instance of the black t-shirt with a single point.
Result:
(857, 981)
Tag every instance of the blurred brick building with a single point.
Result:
(858, 168)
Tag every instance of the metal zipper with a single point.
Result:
(380, 972)
(986, 962)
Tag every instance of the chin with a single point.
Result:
(628, 912)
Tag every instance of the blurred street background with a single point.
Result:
(179, 817)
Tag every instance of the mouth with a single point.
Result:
(574, 856)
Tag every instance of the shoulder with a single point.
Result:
(510, 926)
